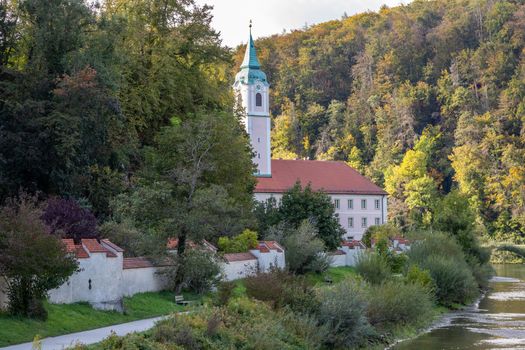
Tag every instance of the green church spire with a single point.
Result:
(250, 70)
(250, 56)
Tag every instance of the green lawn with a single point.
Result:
(334, 274)
(71, 318)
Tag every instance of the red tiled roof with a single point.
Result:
(353, 244)
(329, 176)
(136, 263)
(113, 245)
(93, 246)
(173, 243)
(273, 245)
(337, 252)
(230, 257)
(77, 249)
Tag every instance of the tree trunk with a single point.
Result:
(179, 270)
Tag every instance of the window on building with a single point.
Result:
(364, 222)
(350, 204)
(350, 222)
(377, 221)
(351, 238)
(376, 203)
(259, 155)
(258, 100)
(363, 203)
(336, 203)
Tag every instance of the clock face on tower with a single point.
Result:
(258, 87)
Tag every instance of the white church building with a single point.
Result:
(359, 203)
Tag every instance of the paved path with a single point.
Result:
(89, 337)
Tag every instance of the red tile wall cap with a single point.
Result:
(231, 257)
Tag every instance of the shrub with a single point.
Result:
(304, 250)
(342, 311)
(443, 257)
(267, 286)
(379, 232)
(200, 270)
(224, 292)
(395, 303)
(240, 243)
(416, 275)
(372, 267)
(299, 296)
(242, 324)
(454, 281)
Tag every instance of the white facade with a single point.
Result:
(353, 217)
(140, 280)
(234, 270)
(99, 280)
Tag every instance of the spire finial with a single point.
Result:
(250, 26)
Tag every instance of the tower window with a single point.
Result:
(258, 100)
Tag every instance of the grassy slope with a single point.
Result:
(71, 318)
(335, 274)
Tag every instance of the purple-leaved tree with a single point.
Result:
(67, 219)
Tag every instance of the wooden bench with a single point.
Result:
(179, 300)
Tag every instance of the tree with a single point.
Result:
(240, 243)
(67, 219)
(299, 204)
(196, 184)
(305, 251)
(32, 262)
(410, 185)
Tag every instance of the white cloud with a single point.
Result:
(269, 17)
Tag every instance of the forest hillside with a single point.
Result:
(424, 98)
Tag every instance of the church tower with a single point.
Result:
(253, 89)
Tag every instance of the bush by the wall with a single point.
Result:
(372, 267)
(238, 244)
(200, 270)
(396, 303)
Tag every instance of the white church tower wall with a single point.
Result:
(253, 90)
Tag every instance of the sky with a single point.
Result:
(231, 17)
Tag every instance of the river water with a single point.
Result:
(496, 322)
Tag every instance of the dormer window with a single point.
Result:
(258, 100)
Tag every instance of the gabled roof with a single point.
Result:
(91, 245)
(173, 244)
(231, 257)
(266, 246)
(76, 249)
(330, 176)
(353, 244)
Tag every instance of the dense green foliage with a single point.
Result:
(443, 257)
(79, 105)
(422, 98)
(240, 243)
